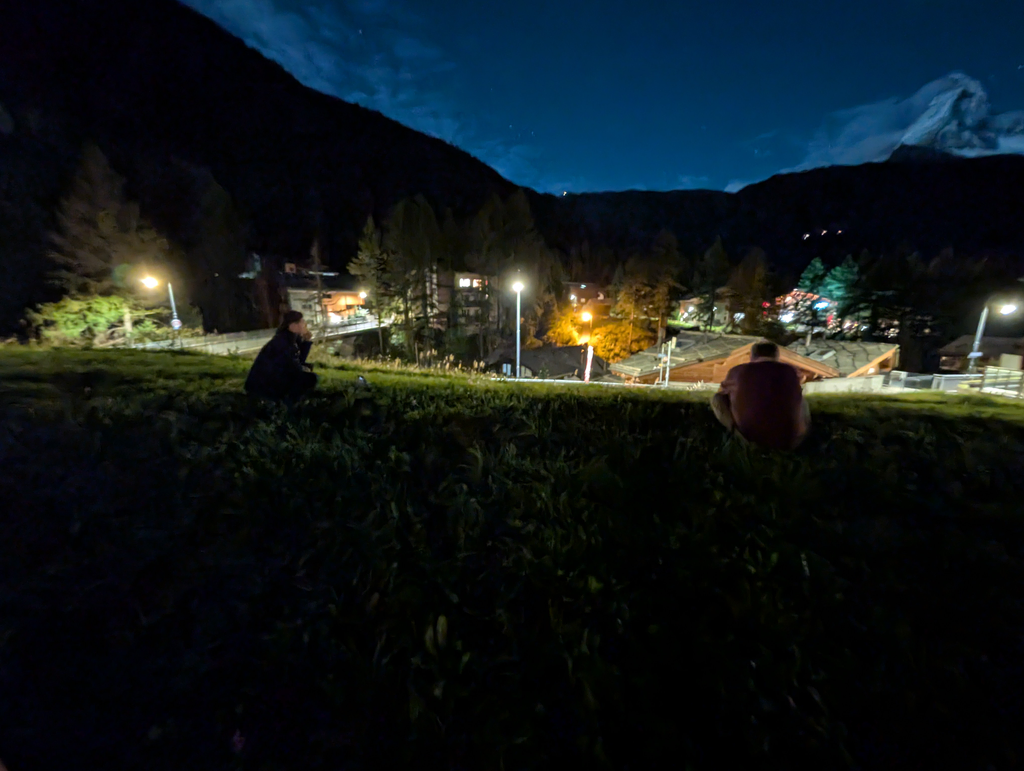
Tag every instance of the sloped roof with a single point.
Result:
(690, 347)
(847, 356)
(556, 361)
(990, 346)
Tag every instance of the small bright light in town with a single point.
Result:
(572, 297)
(362, 295)
(821, 305)
(1007, 309)
(583, 286)
(586, 316)
(785, 318)
(150, 283)
(518, 287)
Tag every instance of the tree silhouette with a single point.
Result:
(372, 267)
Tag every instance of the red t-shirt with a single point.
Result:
(767, 403)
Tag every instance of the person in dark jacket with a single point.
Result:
(280, 370)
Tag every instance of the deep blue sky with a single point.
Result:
(585, 95)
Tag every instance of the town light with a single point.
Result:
(362, 295)
(150, 283)
(1007, 309)
(586, 316)
(518, 287)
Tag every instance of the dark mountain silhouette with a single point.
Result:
(914, 200)
(179, 106)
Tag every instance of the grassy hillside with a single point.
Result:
(445, 573)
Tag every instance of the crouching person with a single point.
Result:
(280, 370)
(763, 401)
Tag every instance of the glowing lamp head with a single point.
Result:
(150, 283)
(1007, 309)
(586, 316)
(362, 295)
(518, 287)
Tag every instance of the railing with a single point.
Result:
(244, 342)
(1003, 382)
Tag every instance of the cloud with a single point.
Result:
(691, 182)
(374, 53)
(738, 184)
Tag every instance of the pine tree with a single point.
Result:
(412, 237)
(710, 275)
(100, 235)
(371, 265)
(750, 285)
(813, 278)
(838, 285)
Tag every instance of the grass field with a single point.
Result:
(444, 572)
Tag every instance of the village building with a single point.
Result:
(550, 362)
(1002, 352)
(697, 357)
(850, 358)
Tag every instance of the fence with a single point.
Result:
(247, 342)
(1003, 382)
(846, 385)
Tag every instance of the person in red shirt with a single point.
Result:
(763, 401)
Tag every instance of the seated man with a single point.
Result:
(280, 370)
(763, 401)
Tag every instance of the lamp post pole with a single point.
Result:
(174, 308)
(519, 328)
(518, 289)
(972, 364)
(1006, 310)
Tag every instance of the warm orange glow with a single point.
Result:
(150, 283)
(586, 316)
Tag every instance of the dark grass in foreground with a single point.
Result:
(440, 573)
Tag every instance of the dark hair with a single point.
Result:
(289, 318)
(765, 350)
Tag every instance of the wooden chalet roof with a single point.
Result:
(846, 356)
(690, 347)
(693, 347)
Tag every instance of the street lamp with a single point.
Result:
(518, 289)
(151, 283)
(589, 318)
(1007, 309)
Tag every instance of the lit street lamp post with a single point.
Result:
(151, 283)
(976, 353)
(588, 317)
(518, 289)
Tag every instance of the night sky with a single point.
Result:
(587, 95)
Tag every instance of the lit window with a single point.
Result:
(465, 282)
(476, 283)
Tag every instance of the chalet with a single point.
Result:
(698, 357)
(953, 357)
(339, 295)
(550, 362)
(852, 359)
